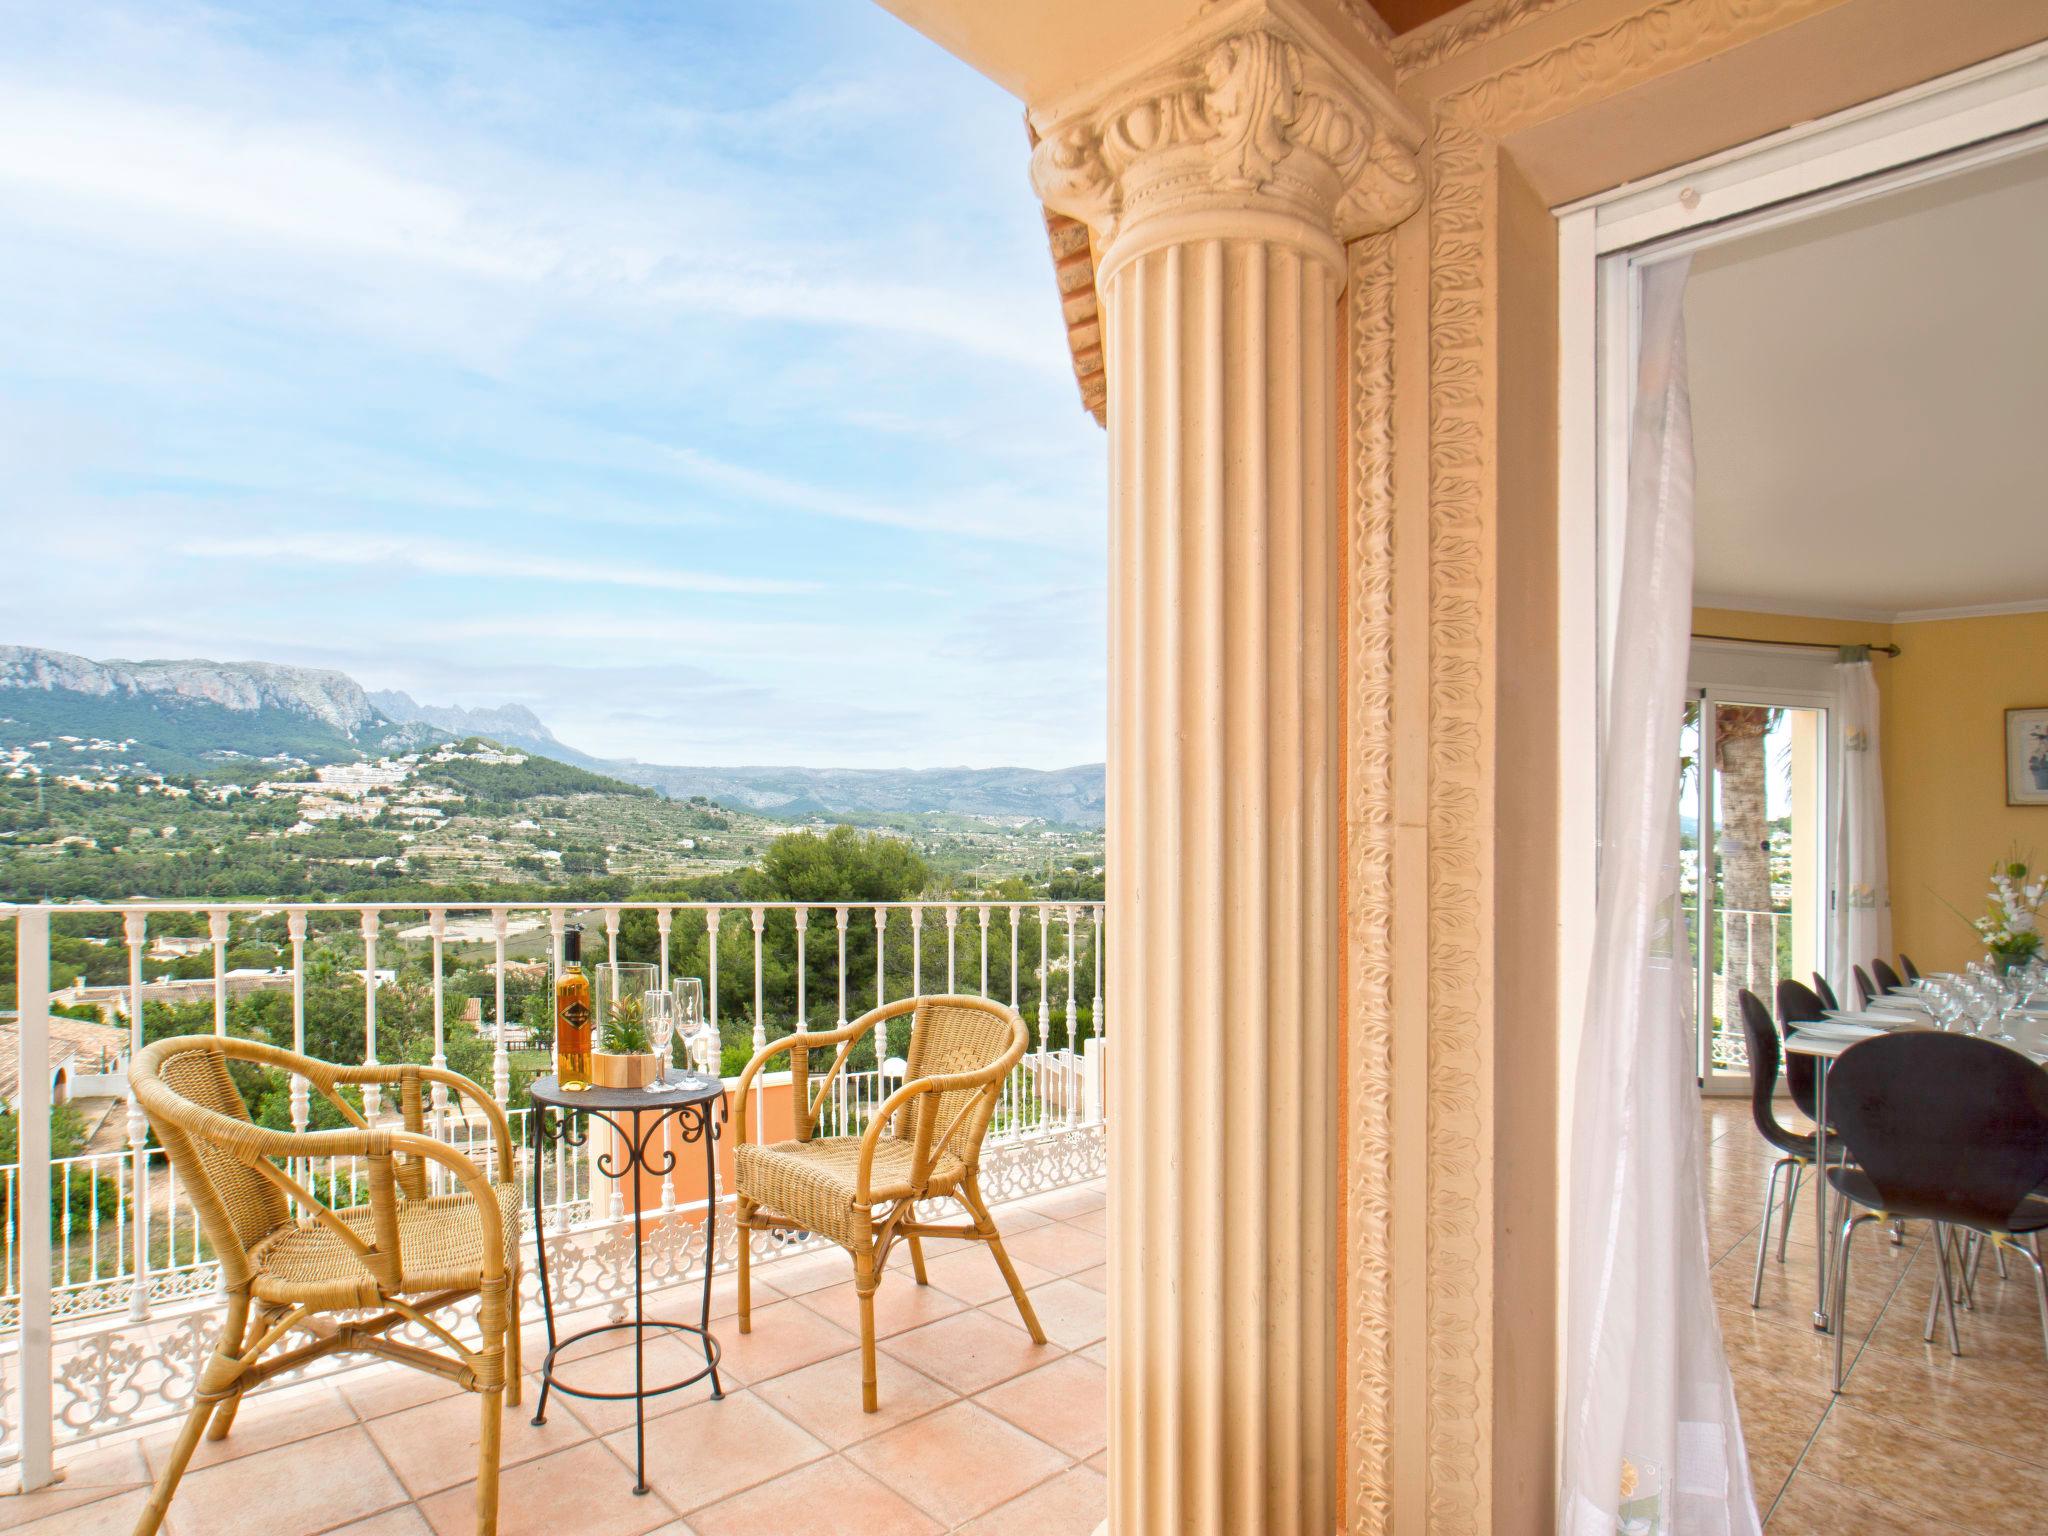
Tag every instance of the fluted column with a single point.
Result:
(1220, 189)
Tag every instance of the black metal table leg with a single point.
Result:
(540, 1255)
(710, 1238)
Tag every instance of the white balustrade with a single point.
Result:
(123, 1246)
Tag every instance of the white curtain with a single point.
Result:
(1862, 915)
(1652, 1442)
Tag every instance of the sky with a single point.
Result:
(690, 373)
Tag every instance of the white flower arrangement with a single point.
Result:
(2011, 928)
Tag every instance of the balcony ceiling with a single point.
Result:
(1867, 391)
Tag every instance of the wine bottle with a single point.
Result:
(572, 1015)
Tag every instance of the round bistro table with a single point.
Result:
(637, 1115)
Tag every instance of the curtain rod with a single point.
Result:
(1808, 645)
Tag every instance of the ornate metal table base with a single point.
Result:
(689, 1099)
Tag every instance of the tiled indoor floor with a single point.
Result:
(979, 1429)
(1921, 1440)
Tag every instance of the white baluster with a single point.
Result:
(803, 922)
(760, 918)
(217, 930)
(981, 923)
(33, 1362)
(295, 930)
(611, 934)
(916, 956)
(664, 921)
(134, 930)
(501, 1061)
(839, 916)
(1016, 923)
(1073, 1027)
(882, 979)
(1101, 1019)
(437, 925)
(952, 927)
(373, 1094)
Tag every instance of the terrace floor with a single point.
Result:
(1920, 1441)
(979, 1430)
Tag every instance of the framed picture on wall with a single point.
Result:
(2026, 756)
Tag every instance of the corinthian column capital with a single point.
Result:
(1255, 122)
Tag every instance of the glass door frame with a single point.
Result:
(1779, 677)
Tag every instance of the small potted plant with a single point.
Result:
(625, 1056)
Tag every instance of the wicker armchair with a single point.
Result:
(401, 1257)
(923, 1143)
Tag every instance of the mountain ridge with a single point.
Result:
(181, 700)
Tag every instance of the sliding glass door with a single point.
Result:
(1753, 831)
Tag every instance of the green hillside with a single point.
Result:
(171, 735)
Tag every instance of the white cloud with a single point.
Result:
(450, 558)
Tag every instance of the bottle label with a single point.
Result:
(576, 1015)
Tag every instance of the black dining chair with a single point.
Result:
(1945, 1128)
(1797, 1005)
(1865, 990)
(1761, 1037)
(1906, 964)
(1825, 993)
(1886, 977)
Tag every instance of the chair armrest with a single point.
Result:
(809, 1040)
(921, 1156)
(494, 1112)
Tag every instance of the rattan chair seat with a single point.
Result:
(814, 1183)
(437, 1239)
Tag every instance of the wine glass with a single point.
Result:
(661, 1012)
(690, 1023)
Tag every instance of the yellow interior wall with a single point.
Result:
(1942, 728)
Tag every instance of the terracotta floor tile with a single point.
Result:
(668, 1358)
(786, 1337)
(1096, 1279)
(1096, 1221)
(1813, 1506)
(970, 1273)
(970, 1351)
(406, 1520)
(805, 1272)
(827, 1498)
(1018, 1216)
(2000, 1404)
(378, 1389)
(1100, 1462)
(1065, 1404)
(959, 1462)
(1778, 1423)
(433, 1446)
(711, 1451)
(1070, 1314)
(114, 1516)
(1057, 1247)
(310, 1485)
(83, 1479)
(1099, 1353)
(825, 1398)
(901, 1303)
(1072, 1504)
(1928, 1474)
(263, 1421)
(585, 1490)
(1066, 1204)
